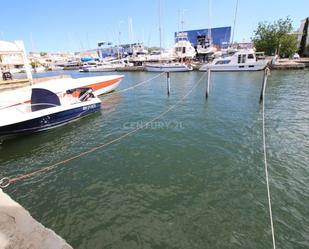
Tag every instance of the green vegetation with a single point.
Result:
(276, 38)
(302, 47)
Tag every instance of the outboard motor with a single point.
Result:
(85, 94)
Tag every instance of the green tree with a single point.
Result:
(275, 38)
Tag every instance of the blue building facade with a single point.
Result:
(220, 36)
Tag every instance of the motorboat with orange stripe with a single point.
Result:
(99, 84)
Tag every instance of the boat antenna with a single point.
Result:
(236, 8)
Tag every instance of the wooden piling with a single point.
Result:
(168, 83)
(208, 83)
(266, 73)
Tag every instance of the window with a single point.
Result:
(223, 62)
(242, 58)
(250, 56)
(251, 65)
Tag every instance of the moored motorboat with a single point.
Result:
(108, 66)
(99, 85)
(47, 110)
(242, 60)
(168, 67)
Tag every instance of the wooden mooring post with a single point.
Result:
(168, 81)
(266, 74)
(208, 83)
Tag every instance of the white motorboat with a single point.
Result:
(183, 49)
(47, 110)
(99, 84)
(242, 60)
(168, 67)
(109, 66)
(87, 65)
(101, 68)
(204, 50)
(161, 55)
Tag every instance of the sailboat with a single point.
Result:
(166, 66)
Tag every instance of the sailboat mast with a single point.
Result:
(209, 18)
(160, 27)
(236, 8)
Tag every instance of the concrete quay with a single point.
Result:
(19, 230)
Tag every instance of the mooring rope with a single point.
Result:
(141, 83)
(7, 181)
(266, 170)
(132, 87)
(106, 95)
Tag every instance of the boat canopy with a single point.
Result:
(42, 99)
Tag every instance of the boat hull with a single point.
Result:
(233, 68)
(167, 68)
(45, 122)
(104, 86)
(100, 69)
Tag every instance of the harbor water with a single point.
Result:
(194, 178)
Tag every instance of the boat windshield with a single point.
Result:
(42, 99)
(223, 62)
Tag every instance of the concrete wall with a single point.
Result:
(19, 230)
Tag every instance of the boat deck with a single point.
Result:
(17, 83)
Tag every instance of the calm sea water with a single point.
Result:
(192, 179)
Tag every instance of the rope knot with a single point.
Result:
(4, 182)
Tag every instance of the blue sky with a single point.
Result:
(67, 25)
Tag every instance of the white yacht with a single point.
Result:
(242, 60)
(168, 67)
(138, 53)
(87, 65)
(109, 66)
(205, 46)
(183, 49)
